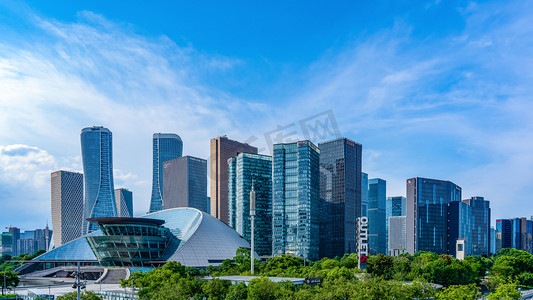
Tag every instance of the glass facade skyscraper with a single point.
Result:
(364, 194)
(503, 234)
(124, 198)
(185, 183)
(340, 193)
(514, 233)
(244, 170)
(97, 157)
(480, 239)
(377, 231)
(459, 226)
(296, 202)
(67, 206)
(427, 213)
(165, 146)
(395, 207)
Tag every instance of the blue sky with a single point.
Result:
(438, 89)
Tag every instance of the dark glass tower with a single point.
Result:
(340, 192)
(377, 231)
(242, 171)
(459, 227)
(480, 239)
(166, 146)
(427, 214)
(185, 183)
(97, 157)
(296, 200)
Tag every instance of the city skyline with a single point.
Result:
(443, 100)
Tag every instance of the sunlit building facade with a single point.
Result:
(377, 231)
(296, 200)
(124, 198)
(243, 171)
(67, 206)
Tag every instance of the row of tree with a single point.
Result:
(387, 277)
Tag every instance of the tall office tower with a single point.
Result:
(43, 238)
(397, 235)
(395, 207)
(340, 191)
(459, 227)
(480, 239)
(15, 233)
(377, 211)
(243, 171)
(6, 243)
(493, 249)
(67, 206)
(503, 234)
(426, 212)
(124, 202)
(526, 232)
(364, 194)
(295, 200)
(97, 157)
(222, 149)
(515, 233)
(166, 146)
(185, 183)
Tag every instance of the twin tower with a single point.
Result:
(97, 157)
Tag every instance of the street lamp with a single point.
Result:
(252, 219)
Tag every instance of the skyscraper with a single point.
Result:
(503, 234)
(165, 146)
(97, 157)
(514, 233)
(377, 211)
(395, 207)
(364, 194)
(480, 238)
(397, 235)
(243, 171)
(67, 206)
(340, 190)
(124, 198)
(185, 183)
(459, 227)
(222, 149)
(295, 200)
(427, 215)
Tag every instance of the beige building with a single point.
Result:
(222, 149)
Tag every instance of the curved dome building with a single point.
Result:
(187, 235)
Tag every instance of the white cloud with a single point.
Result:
(25, 164)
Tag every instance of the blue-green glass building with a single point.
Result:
(364, 194)
(480, 238)
(244, 170)
(165, 146)
(427, 213)
(97, 157)
(296, 200)
(459, 226)
(377, 231)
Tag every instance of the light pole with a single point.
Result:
(78, 284)
(131, 286)
(252, 219)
